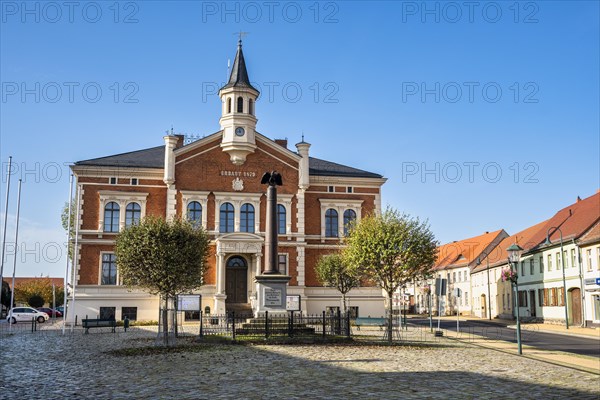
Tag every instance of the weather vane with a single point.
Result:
(241, 34)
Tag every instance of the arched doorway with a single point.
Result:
(236, 280)
(575, 306)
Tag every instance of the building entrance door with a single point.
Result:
(236, 280)
(575, 301)
(532, 303)
(484, 310)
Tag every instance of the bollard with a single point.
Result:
(200, 323)
(32, 323)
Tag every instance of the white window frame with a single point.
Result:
(287, 263)
(236, 200)
(187, 196)
(340, 205)
(122, 199)
(118, 278)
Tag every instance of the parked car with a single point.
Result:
(50, 312)
(25, 314)
(61, 309)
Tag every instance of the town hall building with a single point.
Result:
(215, 182)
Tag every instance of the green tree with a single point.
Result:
(64, 217)
(164, 257)
(333, 271)
(391, 249)
(41, 287)
(5, 296)
(36, 301)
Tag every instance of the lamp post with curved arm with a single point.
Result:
(514, 255)
(562, 266)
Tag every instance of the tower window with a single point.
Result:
(251, 107)
(240, 104)
(229, 105)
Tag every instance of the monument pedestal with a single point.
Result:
(271, 293)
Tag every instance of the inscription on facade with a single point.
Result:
(272, 297)
(243, 174)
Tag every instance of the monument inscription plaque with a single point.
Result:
(273, 297)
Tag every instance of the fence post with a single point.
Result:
(200, 323)
(347, 324)
(338, 323)
(266, 324)
(233, 324)
(32, 322)
(323, 324)
(291, 324)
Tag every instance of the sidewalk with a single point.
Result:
(571, 360)
(540, 327)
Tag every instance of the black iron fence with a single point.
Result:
(267, 325)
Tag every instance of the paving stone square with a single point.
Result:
(51, 366)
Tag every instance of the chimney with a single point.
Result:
(303, 150)
(282, 142)
(180, 139)
(578, 199)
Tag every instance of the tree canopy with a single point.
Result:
(391, 249)
(164, 257)
(41, 287)
(333, 271)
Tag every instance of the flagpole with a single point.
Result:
(8, 173)
(68, 247)
(75, 253)
(12, 292)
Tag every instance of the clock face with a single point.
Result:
(239, 131)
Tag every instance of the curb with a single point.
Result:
(579, 335)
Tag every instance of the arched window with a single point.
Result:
(236, 262)
(349, 219)
(281, 219)
(331, 223)
(240, 104)
(229, 105)
(194, 213)
(247, 218)
(251, 107)
(111, 217)
(133, 214)
(109, 269)
(226, 218)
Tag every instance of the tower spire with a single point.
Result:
(239, 72)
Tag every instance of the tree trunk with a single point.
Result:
(165, 321)
(344, 303)
(390, 320)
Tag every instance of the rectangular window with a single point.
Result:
(522, 298)
(466, 297)
(107, 312)
(109, 269)
(332, 310)
(560, 300)
(558, 263)
(573, 259)
(129, 312)
(331, 189)
(565, 259)
(134, 181)
(596, 302)
(353, 311)
(282, 263)
(465, 276)
(589, 259)
(541, 297)
(531, 267)
(454, 277)
(503, 301)
(552, 296)
(112, 180)
(598, 258)
(549, 262)
(522, 268)
(541, 260)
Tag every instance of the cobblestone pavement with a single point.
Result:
(47, 365)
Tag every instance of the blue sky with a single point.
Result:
(481, 118)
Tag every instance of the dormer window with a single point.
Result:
(240, 104)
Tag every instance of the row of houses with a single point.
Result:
(560, 261)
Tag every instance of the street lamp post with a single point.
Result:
(514, 255)
(562, 266)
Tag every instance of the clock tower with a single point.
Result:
(238, 122)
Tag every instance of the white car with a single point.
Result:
(26, 314)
